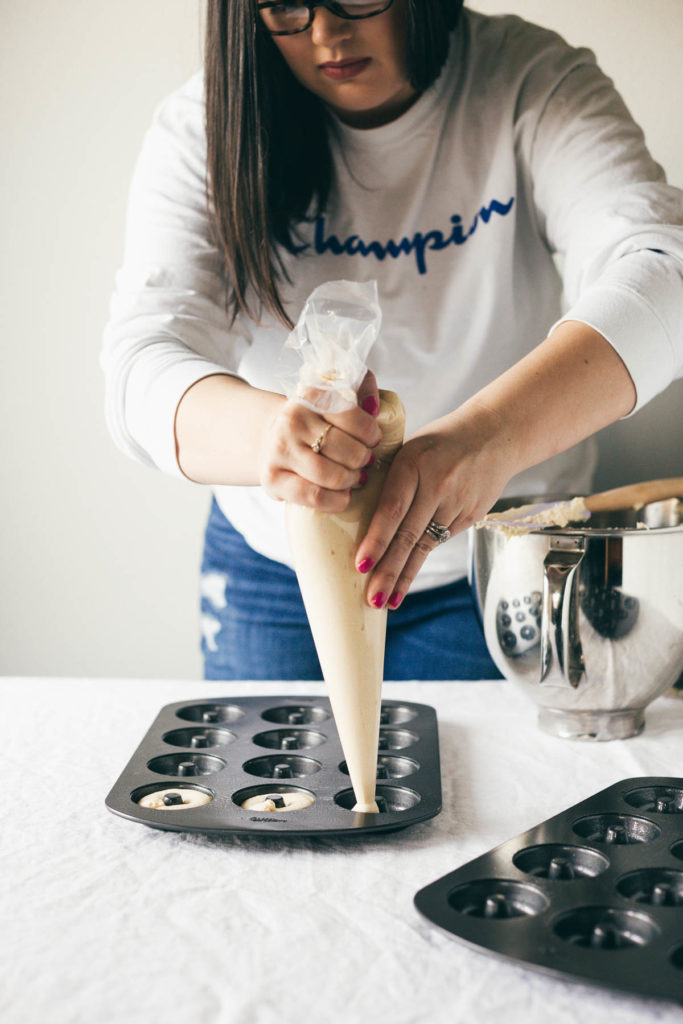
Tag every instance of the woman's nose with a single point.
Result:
(328, 29)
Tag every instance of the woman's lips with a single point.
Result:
(342, 69)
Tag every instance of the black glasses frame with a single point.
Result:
(331, 5)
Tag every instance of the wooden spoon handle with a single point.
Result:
(635, 495)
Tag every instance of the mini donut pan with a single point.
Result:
(236, 748)
(594, 893)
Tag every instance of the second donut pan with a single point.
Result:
(594, 893)
(201, 760)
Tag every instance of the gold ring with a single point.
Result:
(438, 532)
(319, 441)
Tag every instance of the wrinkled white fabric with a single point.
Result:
(109, 921)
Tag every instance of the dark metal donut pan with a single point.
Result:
(276, 749)
(594, 893)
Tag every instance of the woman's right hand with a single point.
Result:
(290, 469)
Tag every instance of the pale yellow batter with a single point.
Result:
(349, 635)
(525, 518)
(273, 802)
(191, 798)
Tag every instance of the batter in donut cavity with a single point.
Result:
(273, 802)
(166, 799)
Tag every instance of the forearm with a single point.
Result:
(220, 424)
(567, 388)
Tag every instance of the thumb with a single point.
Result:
(368, 394)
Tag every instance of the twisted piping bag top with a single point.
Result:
(337, 328)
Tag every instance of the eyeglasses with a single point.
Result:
(282, 19)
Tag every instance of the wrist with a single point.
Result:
(481, 425)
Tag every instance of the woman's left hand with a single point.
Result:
(453, 470)
(450, 472)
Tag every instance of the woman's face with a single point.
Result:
(358, 68)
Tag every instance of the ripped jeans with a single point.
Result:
(254, 625)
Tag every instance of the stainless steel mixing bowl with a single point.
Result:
(588, 619)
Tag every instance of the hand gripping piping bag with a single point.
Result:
(335, 332)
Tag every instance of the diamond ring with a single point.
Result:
(319, 441)
(438, 532)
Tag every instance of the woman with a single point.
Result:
(456, 159)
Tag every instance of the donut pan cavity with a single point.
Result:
(594, 893)
(201, 760)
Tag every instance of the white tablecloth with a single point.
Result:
(106, 920)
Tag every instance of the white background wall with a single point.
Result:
(99, 556)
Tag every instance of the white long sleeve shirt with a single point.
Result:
(519, 159)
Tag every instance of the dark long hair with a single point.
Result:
(268, 157)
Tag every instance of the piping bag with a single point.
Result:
(337, 327)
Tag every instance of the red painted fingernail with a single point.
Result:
(395, 599)
(379, 600)
(371, 405)
(366, 565)
(370, 461)
(362, 478)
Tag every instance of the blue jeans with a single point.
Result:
(254, 624)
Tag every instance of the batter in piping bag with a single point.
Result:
(335, 331)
